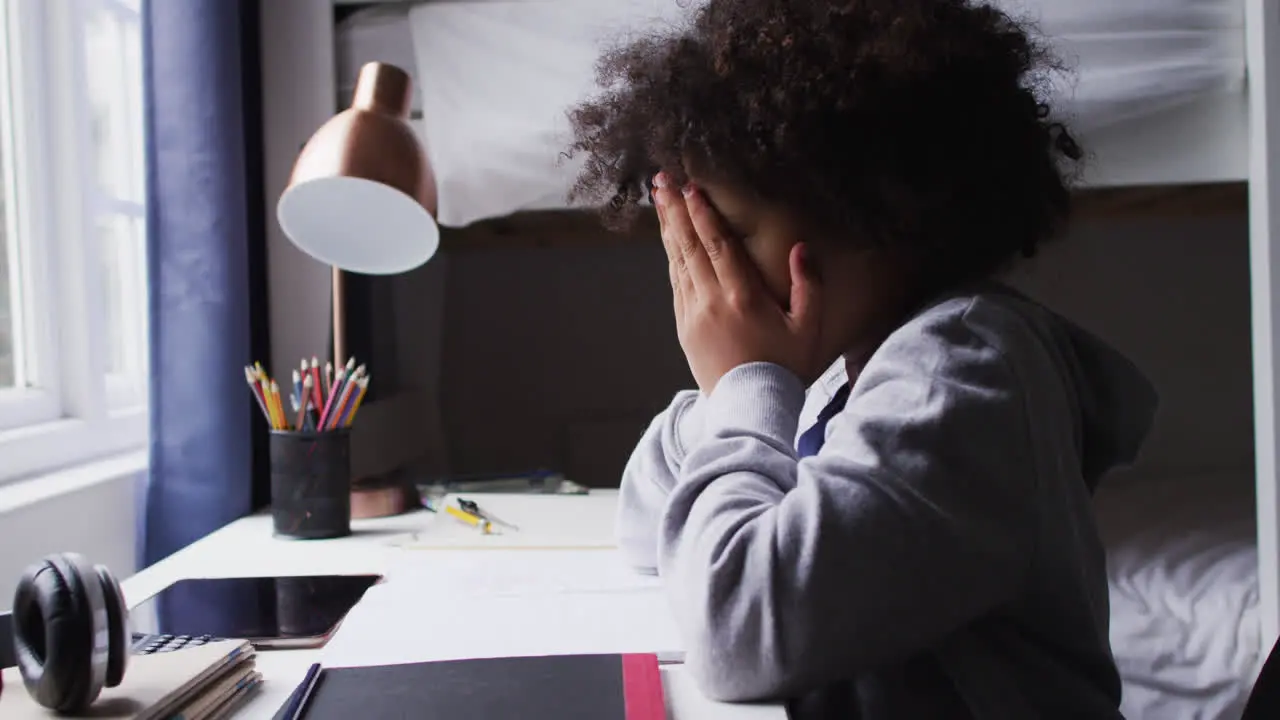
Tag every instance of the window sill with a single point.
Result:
(91, 508)
(33, 491)
(34, 452)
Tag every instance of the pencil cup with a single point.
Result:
(311, 484)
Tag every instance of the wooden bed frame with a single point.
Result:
(1221, 154)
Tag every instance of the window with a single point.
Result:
(73, 307)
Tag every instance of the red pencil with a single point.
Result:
(316, 389)
(329, 404)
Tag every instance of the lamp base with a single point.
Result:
(375, 498)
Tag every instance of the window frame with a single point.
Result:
(77, 413)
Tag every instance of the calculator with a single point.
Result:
(148, 644)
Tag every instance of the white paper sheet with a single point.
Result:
(450, 605)
(516, 573)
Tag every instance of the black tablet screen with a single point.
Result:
(251, 608)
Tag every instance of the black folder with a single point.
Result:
(564, 687)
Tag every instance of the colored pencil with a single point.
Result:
(257, 394)
(355, 404)
(265, 386)
(316, 390)
(335, 389)
(311, 408)
(334, 415)
(306, 400)
(297, 384)
(275, 398)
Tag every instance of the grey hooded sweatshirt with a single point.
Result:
(936, 559)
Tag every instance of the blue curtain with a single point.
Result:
(205, 266)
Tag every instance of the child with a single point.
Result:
(837, 182)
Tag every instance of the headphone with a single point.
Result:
(70, 631)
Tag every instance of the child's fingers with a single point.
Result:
(682, 243)
(716, 241)
(675, 258)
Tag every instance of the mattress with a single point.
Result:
(1183, 564)
(495, 78)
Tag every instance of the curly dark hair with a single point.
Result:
(911, 124)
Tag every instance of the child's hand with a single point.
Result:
(724, 315)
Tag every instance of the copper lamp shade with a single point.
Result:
(362, 197)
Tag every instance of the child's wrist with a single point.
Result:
(761, 398)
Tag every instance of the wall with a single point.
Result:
(297, 92)
(1173, 294)
(560, 356)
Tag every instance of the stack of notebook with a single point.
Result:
(208, 682)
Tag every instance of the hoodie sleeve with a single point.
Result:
(917, 516)
(650, 475)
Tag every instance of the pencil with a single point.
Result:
(334, 415)
(265, 386)
(257, 396)
(275, 396)
(343, 418)
(355, 404)
(328, 380)
(297, 384)
(306, 400)
(334, 390)
(316, 388)
(468, 518)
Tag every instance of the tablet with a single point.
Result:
(270, 612)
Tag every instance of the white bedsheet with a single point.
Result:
(1183, 564)
(496, 77)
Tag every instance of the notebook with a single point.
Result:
(205, 682)
(564, 687)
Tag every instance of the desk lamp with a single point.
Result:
(362, 198)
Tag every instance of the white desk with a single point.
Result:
(247, 548)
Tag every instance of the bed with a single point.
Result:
(1182, 560)
(1145, 76)
(1167, 94)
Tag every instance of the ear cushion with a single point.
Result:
(46, 621)
(56, 633)
(117, 626)
(80, 572)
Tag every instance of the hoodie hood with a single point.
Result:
(1116, 401)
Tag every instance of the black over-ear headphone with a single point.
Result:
(70, 631)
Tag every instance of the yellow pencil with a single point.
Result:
(468, 518)
(364, 387)
(271, 404)
(275, 396)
